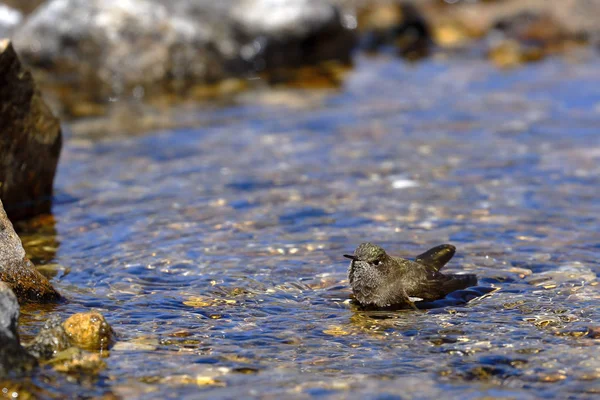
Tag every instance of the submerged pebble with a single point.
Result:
(51, 340)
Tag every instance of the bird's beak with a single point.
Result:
(351, 256)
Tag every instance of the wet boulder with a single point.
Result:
(89, 331)
(13, 357)
(30, 142)
(17, 271)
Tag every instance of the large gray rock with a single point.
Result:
(112, 48)
(109, 47)
(30, 141)
(17, 271)
(13, 358)
(9, 19)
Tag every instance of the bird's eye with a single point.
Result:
(376, 262)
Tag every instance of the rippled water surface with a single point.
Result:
(216, 252)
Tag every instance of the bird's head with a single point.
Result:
(368, 253)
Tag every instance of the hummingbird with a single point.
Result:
(381, 281)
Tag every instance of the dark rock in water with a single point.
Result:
(17, 271)
(51, 340)
(13, 357)
(9, 312)
(30, 142)
(288, 33)
(594, 332)
(380, 281)
(397, 24)
(528, 36)
(9, 19)
(112, 48)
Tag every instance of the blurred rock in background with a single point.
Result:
(108, 49)
(92, 54)
(10, 18)
(400, 25)
(512, 32)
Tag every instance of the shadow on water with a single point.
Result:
(470, 295)
(39, 238)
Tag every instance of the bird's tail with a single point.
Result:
(460, 281)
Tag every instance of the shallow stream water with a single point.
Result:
(216, 252)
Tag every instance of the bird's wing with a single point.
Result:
(426, 282)
(436, 257)
(439, 285)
